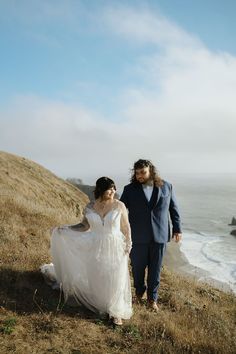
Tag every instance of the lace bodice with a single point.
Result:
(114, 221)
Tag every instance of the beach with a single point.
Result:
(176, 261)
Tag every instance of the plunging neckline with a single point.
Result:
(104, 216)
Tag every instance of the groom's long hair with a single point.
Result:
(158, 182)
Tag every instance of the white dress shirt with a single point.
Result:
(148, 188)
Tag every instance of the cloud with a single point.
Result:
(188, 102)
(68, 139)
(145, 26)
(182, 117)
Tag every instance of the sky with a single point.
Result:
(89, 87)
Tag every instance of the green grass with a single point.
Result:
(8, 325)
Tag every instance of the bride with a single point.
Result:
(90, 259)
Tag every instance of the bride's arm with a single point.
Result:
(125, 227)
(82, 226)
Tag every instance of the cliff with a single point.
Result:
(194, 317)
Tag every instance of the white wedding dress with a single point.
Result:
(92, 265)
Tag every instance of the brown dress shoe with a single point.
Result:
(138, 299)
(152, 305)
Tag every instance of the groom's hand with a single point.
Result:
(177, 237)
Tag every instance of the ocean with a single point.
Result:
(207, 204)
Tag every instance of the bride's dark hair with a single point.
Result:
(102, 185)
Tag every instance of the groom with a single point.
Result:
(151, 203)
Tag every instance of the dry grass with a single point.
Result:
(33, 200)
(33, 319)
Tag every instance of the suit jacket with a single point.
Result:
(150, 221)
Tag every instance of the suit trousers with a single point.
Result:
(150, 256)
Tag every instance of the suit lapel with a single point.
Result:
(154, 197)
(158, 194)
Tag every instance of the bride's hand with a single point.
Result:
(54, 228)
(62, 227)
(128, 249)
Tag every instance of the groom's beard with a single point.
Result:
(145, 181)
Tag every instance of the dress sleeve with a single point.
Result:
(125, 227)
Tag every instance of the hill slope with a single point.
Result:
(194, 318)
(33, 200)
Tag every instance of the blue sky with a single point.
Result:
(86, 81)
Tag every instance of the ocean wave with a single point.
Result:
(214, 254)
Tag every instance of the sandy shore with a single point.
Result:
(176, 261)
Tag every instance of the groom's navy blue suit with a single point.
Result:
(150, 230)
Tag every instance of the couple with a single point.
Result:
(90, 259)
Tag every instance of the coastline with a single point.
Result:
(176, 262)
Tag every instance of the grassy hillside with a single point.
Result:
(33, 200)
(194, 318)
